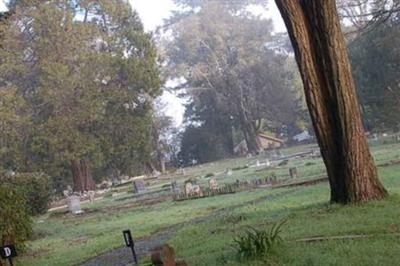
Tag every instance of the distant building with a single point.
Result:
(267, 142)
(303, 136)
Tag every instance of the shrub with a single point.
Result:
(15, 223)
(36, 188)
(258, 244)
(209, 175)
(310, 163)
(240, 168)
(283, 163)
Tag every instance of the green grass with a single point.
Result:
(64, 239)
(308, 215)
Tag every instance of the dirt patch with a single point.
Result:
(79, 240)
(37, 253)
(390, 163)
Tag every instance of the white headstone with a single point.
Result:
(74, 204)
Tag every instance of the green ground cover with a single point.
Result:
(308, 215)
(63, 239)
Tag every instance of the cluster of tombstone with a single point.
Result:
(269, 180)
(193, 190)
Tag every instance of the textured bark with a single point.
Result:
(250, 134)
(320, 50)
(81, 176)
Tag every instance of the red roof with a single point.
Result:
(265, 136)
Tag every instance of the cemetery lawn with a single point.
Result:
(63, 239)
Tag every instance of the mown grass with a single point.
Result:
(309, 215)
(64, 239)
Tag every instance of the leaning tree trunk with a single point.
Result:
(81, 176)
(320, 50)
(250, 133)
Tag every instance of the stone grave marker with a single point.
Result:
(188, 187)
(293, 172)
(175, 188)
(74, 204)
(228, 172)
(191, 188)
(91, 194)
(182, 171)
(138, 186)
(213, 184)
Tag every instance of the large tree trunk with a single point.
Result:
(250, 133)
(320, 50)
(81, 176)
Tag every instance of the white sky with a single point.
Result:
(2, 6)
(152, 13)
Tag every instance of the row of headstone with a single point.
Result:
(259, 163)
(269, 180)
(193, 190)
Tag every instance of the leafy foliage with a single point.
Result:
(81, 77)
(236, 79)
(258, 244)
(37, 188)
(375, 57)
(15, 223)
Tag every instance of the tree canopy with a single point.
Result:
(84, 74)
(233, 75)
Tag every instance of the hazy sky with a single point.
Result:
(152, 13)
(2, 6)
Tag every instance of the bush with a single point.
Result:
(258, 244)
(15, 223)
(283, 163)
(240, 168)
(36, 188)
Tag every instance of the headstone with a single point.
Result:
(182, 171)
(213, 184)
(105, 184)
(237, 183)
(156, 173)
(188, 187)
(293, 172)
(138, 186)
(228, 172)
(192, 189)
(175, 188)
(267, 163)
(74, 204)
(197, 191)
(91, 194)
